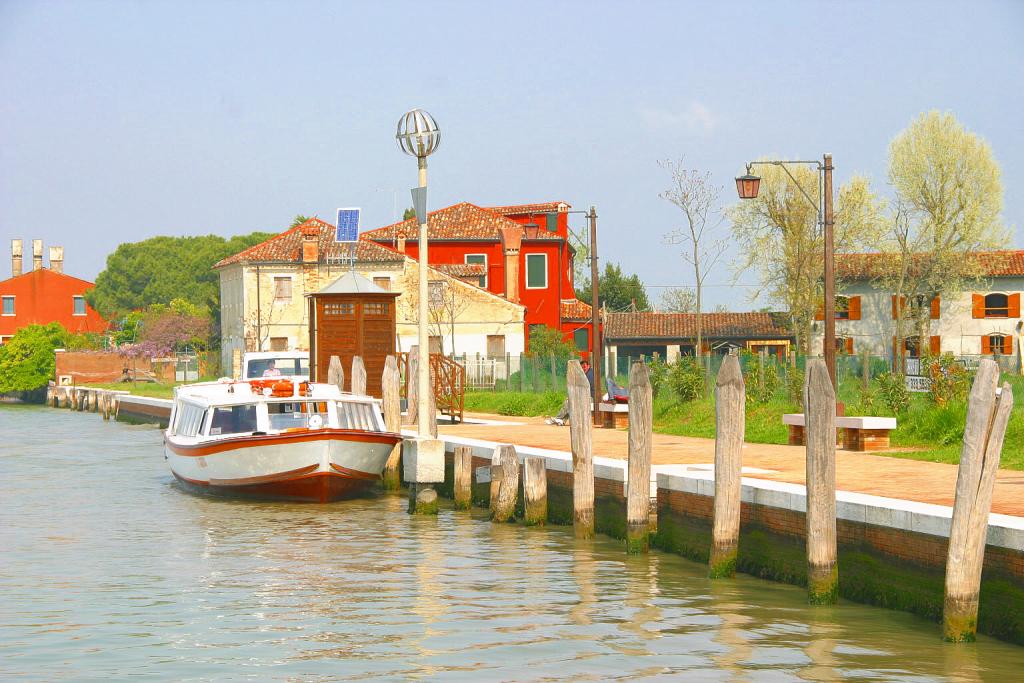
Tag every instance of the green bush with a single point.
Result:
(892, 391)
(758, 390)
(27, 360)
(795, 385)
(657, 371)
(686, 379)
(949, 379)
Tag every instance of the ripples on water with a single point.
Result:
(110, 572)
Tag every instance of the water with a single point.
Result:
(108, 571)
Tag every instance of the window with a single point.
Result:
(997, 306)
(495, 346)
(282, 289)
(78, 305)
(998, 344)
(536, 271)
(383, 282)
(353, 415)
(844, 345)
(377, 308)
(4, 339)
(842, 308)
(189, 419)
(233, 420)
(912, 346)
(295, 415)
(343, 309)
(480, 259)
(581, 338)
(279, 343)
(436, 294)
(7, 305)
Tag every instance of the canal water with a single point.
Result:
(108, 571)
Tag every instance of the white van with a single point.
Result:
(291, 364)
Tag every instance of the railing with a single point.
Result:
(448, 379)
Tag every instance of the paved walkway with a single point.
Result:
(926, 482)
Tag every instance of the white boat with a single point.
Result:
(276, 438)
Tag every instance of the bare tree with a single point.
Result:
(678, 300)
(695, 195)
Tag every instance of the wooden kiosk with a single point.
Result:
(352, 317)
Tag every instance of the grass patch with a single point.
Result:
(514, 403)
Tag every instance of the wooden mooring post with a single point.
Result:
(412, 391)
(535, 491)
(391, 380)
(580, 424)
(506, 472)
(988, 414)
(358, 376)
(638, 478)
(730, 423)
(336, 373)
(462, 462)
(820, 411)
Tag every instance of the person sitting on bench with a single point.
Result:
(563, 413)
(616, 394)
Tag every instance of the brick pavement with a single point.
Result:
(926, 482)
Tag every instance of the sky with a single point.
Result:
(125, 120)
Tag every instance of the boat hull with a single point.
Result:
(314, 466)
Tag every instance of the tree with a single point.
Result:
(678, 300)
(299, 220)
(949, 198)
(616, 291)
(159, 269)
(694, 194)
(27, 361)
(778, 235)
(408, 213)
(546, 341)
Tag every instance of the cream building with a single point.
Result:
(984, 321)
(264, 307)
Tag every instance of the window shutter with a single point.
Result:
(1014, 302)
(854, 308)
(849, 345)
(977, 306)
(894, 314)
(935, 345)
(986, 345)
(936, 305)
(1009, 344)
(819, 314)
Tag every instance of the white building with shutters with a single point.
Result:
(982, 322)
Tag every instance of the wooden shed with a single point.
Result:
(352, 317)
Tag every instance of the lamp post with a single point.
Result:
(747, 187)
(419, 136)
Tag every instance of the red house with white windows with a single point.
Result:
(520, 252)
(44, 295)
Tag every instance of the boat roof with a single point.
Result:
(262, 355)
(236, 392)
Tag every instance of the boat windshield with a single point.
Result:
(293, 414)
(356, 415)
(233, 420)
(261, 367)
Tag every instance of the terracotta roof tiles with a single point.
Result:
(463, 221)
(287, 247)
(1007, 263)
(684, 325)
(574, 309)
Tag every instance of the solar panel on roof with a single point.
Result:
(348, 225)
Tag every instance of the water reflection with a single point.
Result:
(125, 575)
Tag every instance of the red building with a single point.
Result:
(521, 253)
(44, 295)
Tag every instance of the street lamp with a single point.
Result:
(747, 187)
(419, 136)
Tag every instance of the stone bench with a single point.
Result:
(614, 415)
(858, 433)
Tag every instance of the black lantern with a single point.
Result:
(747, 186)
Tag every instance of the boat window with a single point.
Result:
(233, 420)
(295, 414)
(286, 367)
(355, 415)
(189, 419)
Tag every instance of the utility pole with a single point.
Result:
(830, 278)
(597, 354)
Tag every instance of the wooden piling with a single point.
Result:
(580, 424)
(463, 477)
(503, 507)
(820, 411)
(535, 491)
(391, 381)
(984, 431)
(105, 404)
(358, 376)
(495, 480)
(336, 373)
(730, 423)
(638, 480)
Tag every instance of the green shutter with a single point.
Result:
(552, 221)
(536, 277)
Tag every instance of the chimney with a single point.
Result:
(16, 258)
(511, 241)
(37, 254)
(310, 244)
(57, 259)
(400, 243)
